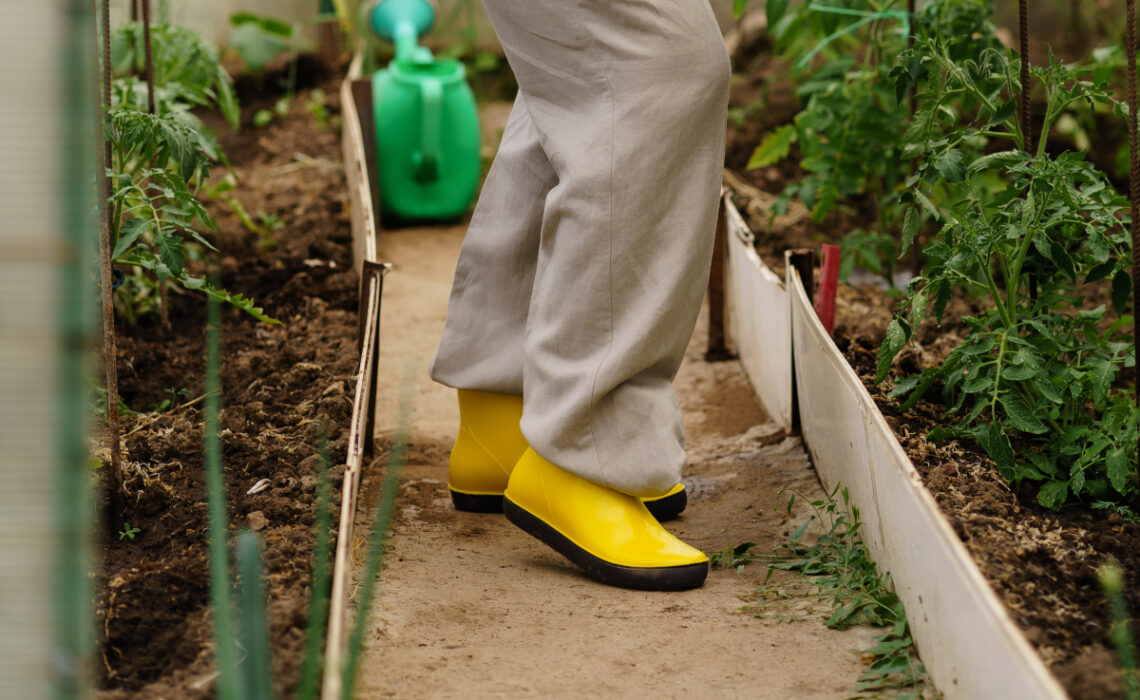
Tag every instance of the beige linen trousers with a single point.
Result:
(583, 270)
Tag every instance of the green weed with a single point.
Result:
(840, 578)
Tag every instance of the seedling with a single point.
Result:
(128, 532)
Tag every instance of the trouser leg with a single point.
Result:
(482, 345)
(627, 102)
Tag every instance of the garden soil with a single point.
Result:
(284, 386)
(470, 606)
(1041, 563)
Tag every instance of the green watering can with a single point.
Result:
(427, 125)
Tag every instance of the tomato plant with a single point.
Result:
(1034, 236)
(158, 163)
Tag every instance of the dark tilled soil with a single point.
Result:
(1041, 563)
(281, 384)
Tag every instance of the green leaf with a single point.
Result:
(941, 434)
(1117, 465)
(774, 148)
(738, 7)
(1100, 271)
(1028, 211)
(1021, 416)
(1053, 494)
(227, 99)
(129, 232)
(824, 203)
(892, 344)
(256, 45)
(910, 229)
(1017, 373)
(1121, 291)
(1001, 159)
(774, 11)
(928, 205)
(994, 441)
(170, 251)
(950, 166)
(1047, 389)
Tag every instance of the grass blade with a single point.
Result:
(322, 576)
(228, 683)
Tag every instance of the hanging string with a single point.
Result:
(149, 60)
(1027, 119)
(910, 9)
(1026, 107)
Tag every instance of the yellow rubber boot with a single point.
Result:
(486, 449)
(488, 446)
(612, 536)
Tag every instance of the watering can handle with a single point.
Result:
(427, 160)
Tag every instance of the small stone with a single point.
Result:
(310, 464)
(257, 520)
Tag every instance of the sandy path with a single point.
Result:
(469, 606)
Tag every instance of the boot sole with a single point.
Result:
(668, 508)
(477, 502)
(664, 509)
(664, 578)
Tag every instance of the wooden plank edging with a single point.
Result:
(364, 235)
(757, 326)
(969, 643)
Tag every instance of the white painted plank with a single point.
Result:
(966, 638)
(757, 325)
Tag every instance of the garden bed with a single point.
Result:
(280, 385)
(1040, 563)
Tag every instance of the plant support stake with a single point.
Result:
(110, 349)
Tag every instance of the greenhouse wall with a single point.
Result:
(30, 249)
(211, 17)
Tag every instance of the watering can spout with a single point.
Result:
(402, 22)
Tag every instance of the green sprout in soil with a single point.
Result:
(128, 532)
(841, 578)
(1111, 579)
(248, 675)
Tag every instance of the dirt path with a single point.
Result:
(470, 606)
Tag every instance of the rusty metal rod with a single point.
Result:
(110, 347)
(1133, 180)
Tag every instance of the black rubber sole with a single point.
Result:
(666, 578)
(477, 503)
(669, 507)
(663, 509)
